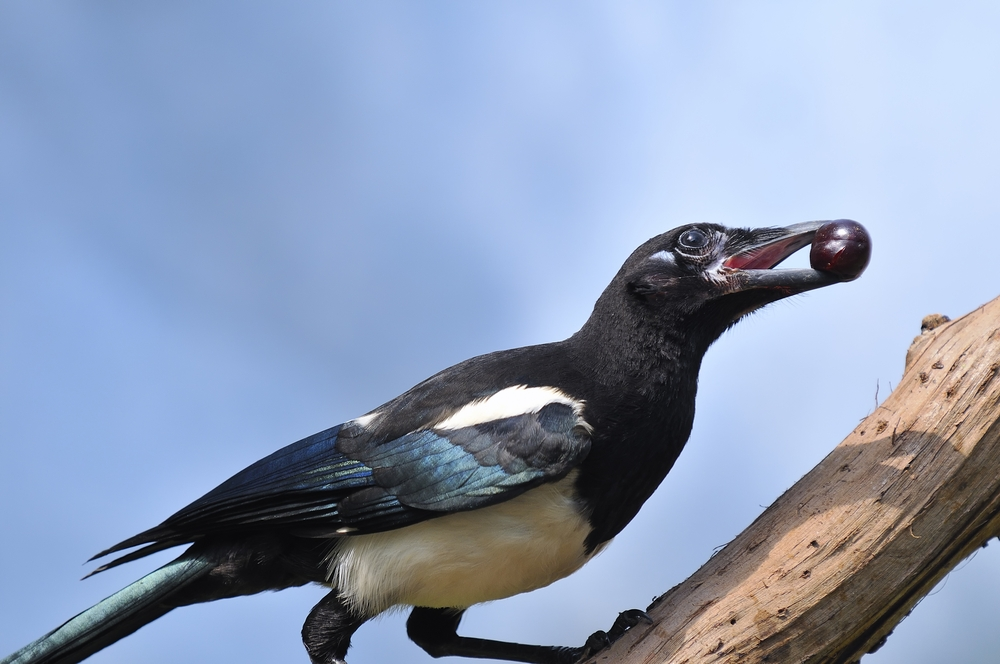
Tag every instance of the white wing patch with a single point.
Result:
(509, 402)
(365, 420)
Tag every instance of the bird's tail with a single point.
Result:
(115, 617)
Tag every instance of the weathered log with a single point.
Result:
(828, 570)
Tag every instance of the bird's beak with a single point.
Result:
(750, 267)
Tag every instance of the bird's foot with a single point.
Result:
(600, 639)
(625, 621)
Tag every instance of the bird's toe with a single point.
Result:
(600, 639)
(625, 621)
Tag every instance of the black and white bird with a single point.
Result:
(494, 477)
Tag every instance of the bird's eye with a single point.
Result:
(692, 239)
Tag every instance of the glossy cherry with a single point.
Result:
(842, 247)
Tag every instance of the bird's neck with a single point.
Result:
(623, 347)
(647, 375)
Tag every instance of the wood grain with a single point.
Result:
(828, 570)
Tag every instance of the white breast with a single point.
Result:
(468, 557)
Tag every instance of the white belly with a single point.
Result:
(468, 557)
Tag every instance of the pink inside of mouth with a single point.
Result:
(766, 257)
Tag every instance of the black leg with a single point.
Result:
(434, 630)
(328, 629)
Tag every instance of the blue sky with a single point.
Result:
(225, 226)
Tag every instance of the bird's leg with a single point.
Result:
(434, 630)
(327, 631)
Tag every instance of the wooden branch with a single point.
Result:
(828, 570)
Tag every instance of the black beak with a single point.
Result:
(752, 265)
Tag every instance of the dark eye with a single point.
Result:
(692, 240)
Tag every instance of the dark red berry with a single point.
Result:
(842, 247)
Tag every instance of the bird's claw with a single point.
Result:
(596, 642)
(625, 621)
(600, 639)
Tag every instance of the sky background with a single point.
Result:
(225, 226)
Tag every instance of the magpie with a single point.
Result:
(494, 477)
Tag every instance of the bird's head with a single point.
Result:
(705, 277)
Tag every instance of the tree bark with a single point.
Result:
(828, 570)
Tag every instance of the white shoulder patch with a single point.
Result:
(510, 402)
(365, 420)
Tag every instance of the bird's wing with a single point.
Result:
(355, 479)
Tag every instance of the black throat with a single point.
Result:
(641, 361)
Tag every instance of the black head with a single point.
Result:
(641, 350)
(695, 281)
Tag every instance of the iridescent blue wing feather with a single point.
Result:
(349, 480)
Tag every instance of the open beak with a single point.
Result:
(752, 265)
